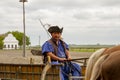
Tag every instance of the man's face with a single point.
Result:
(56, 35)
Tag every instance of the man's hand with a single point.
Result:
(62, 59)
(69, 58)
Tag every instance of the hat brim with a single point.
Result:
(55, 29)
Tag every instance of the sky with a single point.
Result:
(84, 21)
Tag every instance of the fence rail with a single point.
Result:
(27, 72)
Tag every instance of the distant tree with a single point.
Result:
(1, 42)
(19, 37)
(2, 36)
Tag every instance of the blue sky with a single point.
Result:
(84, 21)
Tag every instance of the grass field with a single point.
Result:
(83, 50)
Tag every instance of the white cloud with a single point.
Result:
(84, 21)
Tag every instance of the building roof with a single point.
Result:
(10, 38)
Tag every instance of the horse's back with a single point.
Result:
(112, 49)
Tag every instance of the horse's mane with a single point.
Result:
(92, 60)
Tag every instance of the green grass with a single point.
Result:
(83, 50)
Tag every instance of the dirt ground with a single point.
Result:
(16, 56)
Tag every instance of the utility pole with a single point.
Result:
(24, 37)
(39, 40)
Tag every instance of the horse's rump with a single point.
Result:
(110, 69)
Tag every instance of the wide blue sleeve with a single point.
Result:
(47, 47)
(67, 46)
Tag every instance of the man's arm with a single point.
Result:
(54, 57)
(68, 54)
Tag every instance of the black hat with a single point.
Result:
(55, 29)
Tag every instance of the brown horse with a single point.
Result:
(104, 64)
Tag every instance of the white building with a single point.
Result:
(10, 42)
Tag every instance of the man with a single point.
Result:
(58, 50)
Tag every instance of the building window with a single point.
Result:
(15, 46)
(11, 46)
(8, 46)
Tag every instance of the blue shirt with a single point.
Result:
(48, 47)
